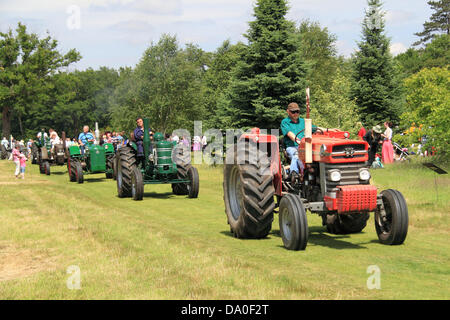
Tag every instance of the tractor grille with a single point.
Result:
(349, 175)
(356, 147)
(349, 151)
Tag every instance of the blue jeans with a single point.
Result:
(296, 164)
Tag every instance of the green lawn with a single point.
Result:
(172, 247)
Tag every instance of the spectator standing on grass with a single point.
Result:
(373, 137)
(204, 142)
(23, 164)
(16, 159)
(197, 143)
(186, 142)
(362, 131)
(5, 143)
(387, 151)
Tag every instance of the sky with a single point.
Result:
(115, 33)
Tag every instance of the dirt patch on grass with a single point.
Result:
(18, 263)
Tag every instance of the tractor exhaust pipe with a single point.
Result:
(97, 134)
(308, 131)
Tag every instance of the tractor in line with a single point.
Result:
(164, 162)
(95, 158)
(335, 185)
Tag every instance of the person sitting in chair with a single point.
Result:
(290, 127)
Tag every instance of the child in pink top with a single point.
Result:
(16, 156)
(23, 164)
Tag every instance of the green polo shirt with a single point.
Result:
(287, 125)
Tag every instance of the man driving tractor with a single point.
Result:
(290, 127)
(84, 138)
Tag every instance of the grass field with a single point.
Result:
(172, 247)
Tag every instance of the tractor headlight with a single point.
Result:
(364, 174)
(334, 175)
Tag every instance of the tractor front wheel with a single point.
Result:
(110, 167)
(391, 220)
(248, 191)
(193, 185)
(293, 222)
(46, 167)
(78, 172)
(137, 184)
(71, 169)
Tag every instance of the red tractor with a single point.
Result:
(335, 185)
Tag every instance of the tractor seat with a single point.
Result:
(283, 152)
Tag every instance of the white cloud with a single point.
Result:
(397, 48)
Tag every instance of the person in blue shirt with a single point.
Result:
(84, 138)
(290, 127)
(139, 139)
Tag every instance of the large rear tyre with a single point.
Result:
(248, 191)
(293, 222)
(346, 223)
(391, 220)
(137, 184)
(194, 184)
(79, 178)
(125, 166)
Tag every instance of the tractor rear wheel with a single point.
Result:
(125, 166)
(78, 172)
(293, 222)
(346, 223)
(392, 224)
(193, 185)
(137, 184)
(248, 191)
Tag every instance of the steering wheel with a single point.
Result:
(317, 129)
(296, 136)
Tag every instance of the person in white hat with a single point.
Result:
(373, 138)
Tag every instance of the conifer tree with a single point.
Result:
(270, 73)
(373, 86)
(439, 22)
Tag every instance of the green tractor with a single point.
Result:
(46, 155)
(164, 162)
(95, 159)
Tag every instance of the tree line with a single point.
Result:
(238, 85)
